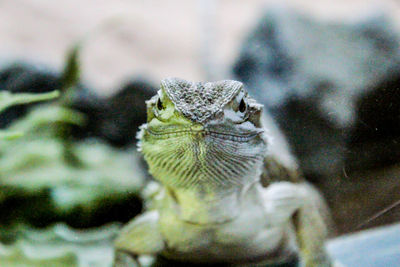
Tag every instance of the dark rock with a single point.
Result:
(375, 138)
(126, 111)
(332, 87)
(117, 118)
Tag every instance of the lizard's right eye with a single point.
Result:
(159, 104)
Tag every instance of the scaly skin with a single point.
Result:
(229, 191)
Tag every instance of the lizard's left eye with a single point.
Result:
(242, 106)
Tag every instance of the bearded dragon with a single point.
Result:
(230, 194)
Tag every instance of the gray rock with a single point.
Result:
(374, 248)
(331, 86)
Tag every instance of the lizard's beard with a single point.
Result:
(196, 160)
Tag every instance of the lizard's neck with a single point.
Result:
(208, 206)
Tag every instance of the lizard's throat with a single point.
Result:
(202, 208)
(192, 162)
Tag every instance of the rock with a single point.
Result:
(125, 112)
(375, 138)
(116, 118)
(331, 86)
(375, 247)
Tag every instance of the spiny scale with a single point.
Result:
(199, 101)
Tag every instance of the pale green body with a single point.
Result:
(222, 197)
(249, 234)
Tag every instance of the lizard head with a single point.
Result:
(203, 134)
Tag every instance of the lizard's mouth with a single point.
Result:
(240, 137)
(216, 222)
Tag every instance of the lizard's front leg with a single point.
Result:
(310, 222)
(302, 204)
(139, 237)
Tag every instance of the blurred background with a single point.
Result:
(327, 71)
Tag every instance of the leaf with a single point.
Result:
(70, 76)
(10, 135)
(59, 246)
(71, 73)
(8, 99)
(45, 116)
(35, 176)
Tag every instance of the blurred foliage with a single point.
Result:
(58, 246)
(39, 185)
(46, 177)
(71, 73)
(8, 99)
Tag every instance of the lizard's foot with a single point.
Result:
(282, 199)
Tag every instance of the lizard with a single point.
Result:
(229, 191)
